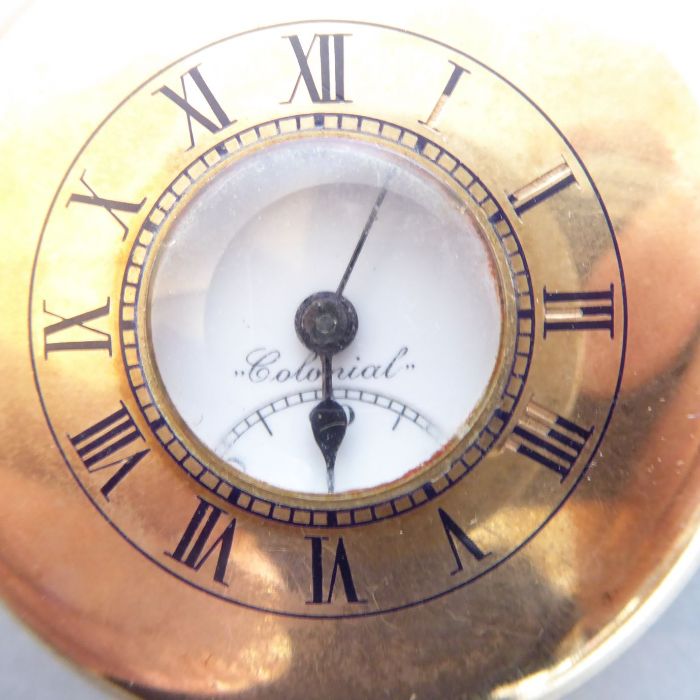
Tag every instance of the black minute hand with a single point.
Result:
(326, 322)
(363, 236)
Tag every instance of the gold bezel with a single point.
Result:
(415, 475)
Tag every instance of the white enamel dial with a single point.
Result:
(281, 224)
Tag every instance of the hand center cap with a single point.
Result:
(326, 323)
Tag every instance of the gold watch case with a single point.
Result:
(508, 564)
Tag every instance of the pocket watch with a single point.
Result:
(348, 357)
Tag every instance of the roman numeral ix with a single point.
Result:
(103, 440)
(82, 337)
(332, 88)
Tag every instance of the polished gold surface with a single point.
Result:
(397, 539)
(560, 592)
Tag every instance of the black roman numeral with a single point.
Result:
(454, 532)
(220, 118)
(549, 439)
(331, 90)
(103, 440)
(341, 566)
(111, 206)
(457, 73)
(84, 337)
(579, 311)
(539, 190)
(192, 549)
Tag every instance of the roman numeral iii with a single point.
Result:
(327, 86)
(579, 311)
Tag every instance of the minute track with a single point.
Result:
(355, 126)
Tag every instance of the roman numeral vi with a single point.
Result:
(340, 573)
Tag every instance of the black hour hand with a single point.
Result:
(328, 423)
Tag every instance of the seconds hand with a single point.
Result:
(326, 322)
